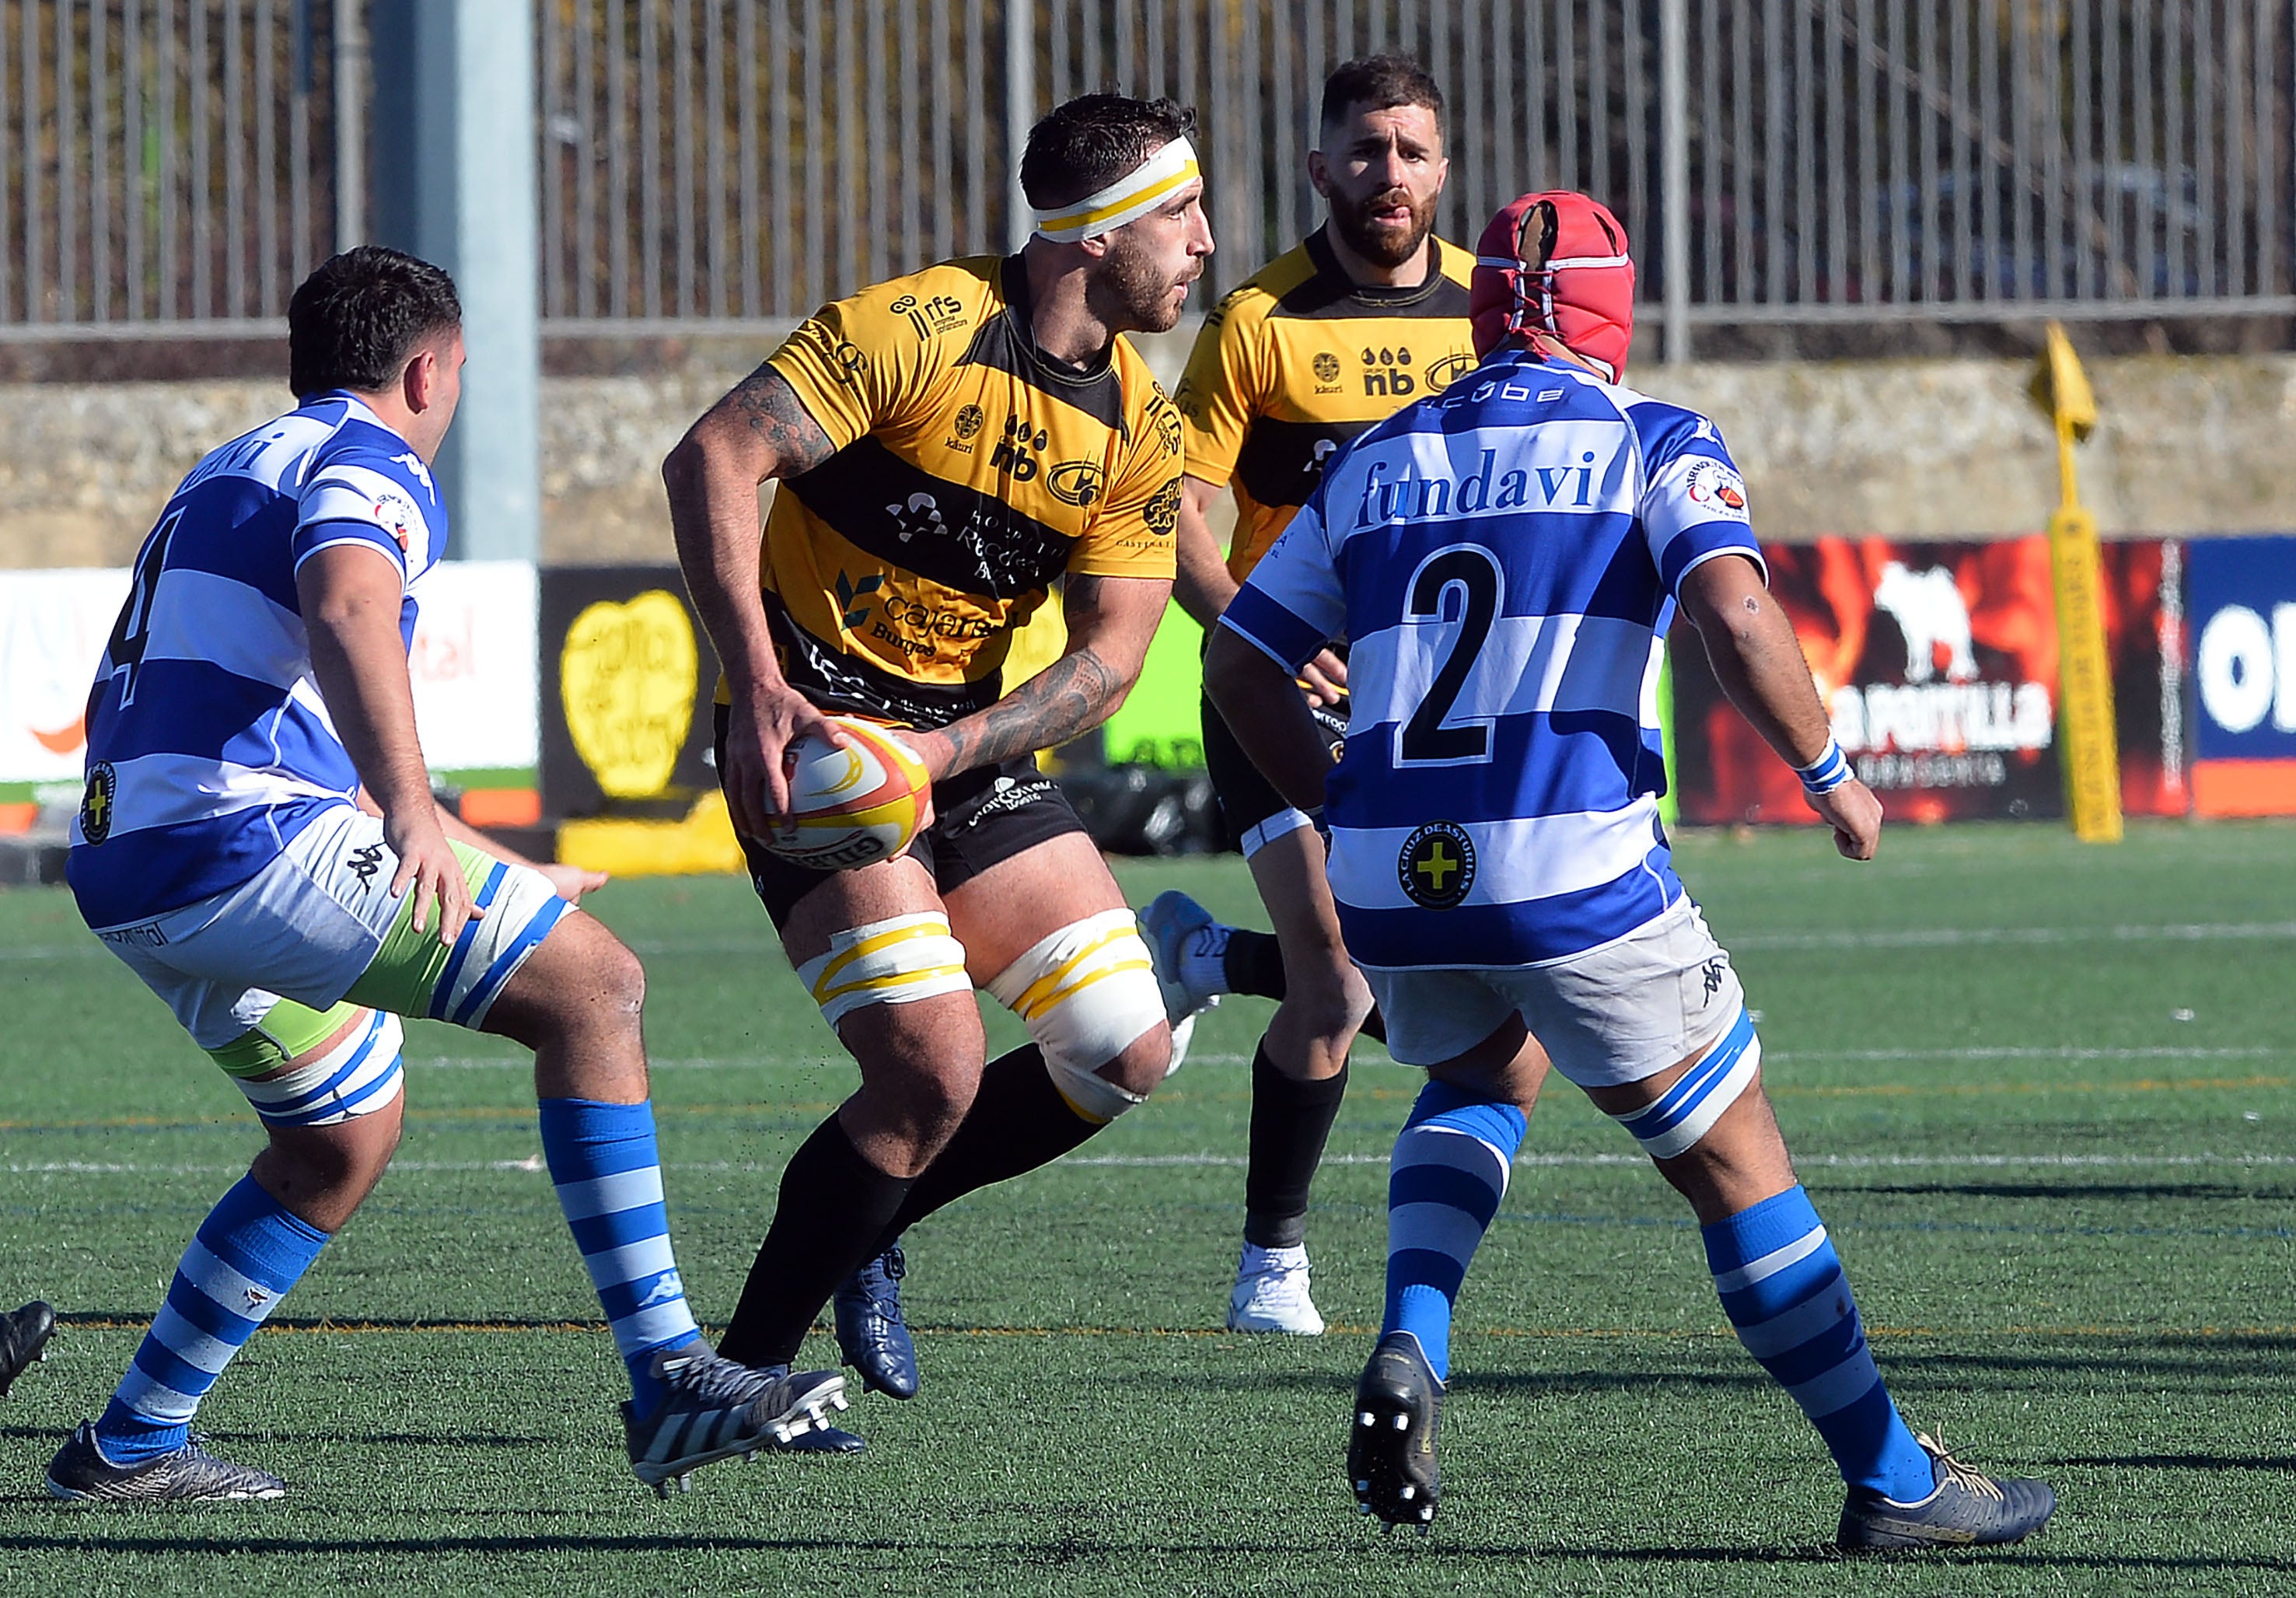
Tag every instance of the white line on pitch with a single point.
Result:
(1921, 937)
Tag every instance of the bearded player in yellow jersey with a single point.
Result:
(948, 445)
(1367, 315)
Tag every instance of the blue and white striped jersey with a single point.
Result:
(1503, 558)
(208, 744)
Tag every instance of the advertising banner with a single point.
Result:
(2241, 599)
(472, 666)
(1938, 663)
(628, 680)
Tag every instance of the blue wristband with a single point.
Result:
(1828, 772)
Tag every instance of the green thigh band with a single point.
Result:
(413, 973)
(287, 1031)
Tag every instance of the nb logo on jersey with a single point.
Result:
(363, 862)
(1712, 972)
(667, 1289)
(1387, 372)
(1013, 455)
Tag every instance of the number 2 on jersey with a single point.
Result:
(1425, 740)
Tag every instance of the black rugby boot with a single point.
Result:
(1967, 1508)
(1392, 1442)
(870, 1330)
(23, 1340)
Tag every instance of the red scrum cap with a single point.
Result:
(1555, 263)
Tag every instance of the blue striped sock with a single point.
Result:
(1443, 1187)
(1783, 1288)
(244, 1258)
(609, 1179)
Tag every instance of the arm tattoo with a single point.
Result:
(1072, 695)
(1067, 698)
(769, 403)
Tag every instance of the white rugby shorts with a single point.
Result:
(307, 927)
(1618, 1013)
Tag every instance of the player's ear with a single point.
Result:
(1319, 173)
(419, 383)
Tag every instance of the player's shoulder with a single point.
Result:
(1663, 427)
(363, 452)
(946, 299)
(1455, 262)
(1150, 413)
(1257, 297)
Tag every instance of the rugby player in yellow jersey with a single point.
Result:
(1367, 315)
(948, 445)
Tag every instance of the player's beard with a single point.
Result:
(1137, 291)
(1382, 246)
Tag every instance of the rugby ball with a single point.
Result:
(853, 806)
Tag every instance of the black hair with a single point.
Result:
(1379, 82)
(1081, 147)
(355, 321)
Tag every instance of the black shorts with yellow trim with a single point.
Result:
(1246, 798)
(981, 818)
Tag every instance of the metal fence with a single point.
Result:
(167, 166)
(172, 166)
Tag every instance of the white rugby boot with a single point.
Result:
(1271, 1293)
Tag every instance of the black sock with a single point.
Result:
(1291, 1121)
(1254, 964)
(1018, 1122)
(834, 1205)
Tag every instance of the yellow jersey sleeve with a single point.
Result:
(1223, 386)
(856, 364)
(1132, 536)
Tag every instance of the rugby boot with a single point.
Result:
(716, 1408)
(1175, 925)
(24, 1339)
(822, 1439)
(187, 1474)
(1966, 1507)
(870, 1330)
(1271, 1293)
(1391, 1444)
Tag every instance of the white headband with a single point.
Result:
(1135, 194)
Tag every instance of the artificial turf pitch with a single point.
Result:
(2040, 1092)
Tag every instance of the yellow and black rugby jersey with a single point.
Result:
(1297, 361)
(970, 470)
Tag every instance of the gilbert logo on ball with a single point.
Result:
(853, 806)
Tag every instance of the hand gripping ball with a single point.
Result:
(852, 806)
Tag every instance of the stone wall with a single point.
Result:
(2185, 444)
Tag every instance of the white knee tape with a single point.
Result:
(894, 962)
(1688, 1110)
(1086, 993)
(1282, 824)
(357, 1076)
